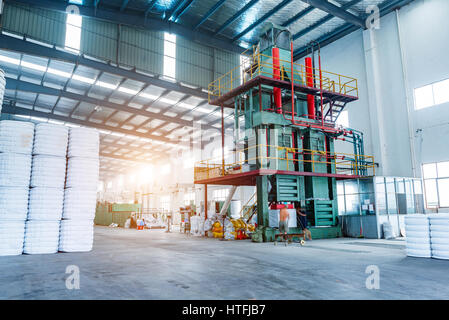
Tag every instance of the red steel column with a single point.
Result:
(309, 82)
(277, 75)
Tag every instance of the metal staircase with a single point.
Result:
(336, 107)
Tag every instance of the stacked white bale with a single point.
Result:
(47, 189)
(16, 143)
(417, 231)
(439, 236)
(2, 87)
(81, 191)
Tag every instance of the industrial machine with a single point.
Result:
(285, 132)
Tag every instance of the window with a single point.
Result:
(170, 55)
(343, 119)
(433, 94)
(220, 194)
(73, 32)
(436, 184)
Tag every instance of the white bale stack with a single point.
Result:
(41, 236)
(417, 231)
(16, 143)
(47, 189)
(2, 87)
(439, 236)
(81, 191)
(76, 235)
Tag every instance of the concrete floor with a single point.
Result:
(151, 264)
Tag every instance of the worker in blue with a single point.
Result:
(301, 215)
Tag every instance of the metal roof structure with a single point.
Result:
(232, 24)
(140, 115)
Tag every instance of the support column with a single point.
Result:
(205, 201)
(262, 200)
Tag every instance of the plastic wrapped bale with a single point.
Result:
(2, 87)
(229, 231)
(79, 204)
(50, 139)
(76, 236)
(15, 170)
(45, 203)
(41, 237)
(11, 237)
(417, 231)
(83, 142)
(16, 136)
(82, 173)
(14, 203)
(439, 236)
(208, 225)
(48, 171)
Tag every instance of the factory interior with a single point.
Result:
(224, 150)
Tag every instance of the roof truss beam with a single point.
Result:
(139, 21)
(322, 21)
(209, 13)
(27, 47)
(20, 85)
(263, 19)
(348, 28)
(336, 11)
(236, 16)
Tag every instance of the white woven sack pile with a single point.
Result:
(47, 189)
(2, 87)
(50, 139)
(81, 190)
(16, 143)
(11, 237)
(45, 203)
(41, 236)
(76, 235)
(48, 171)
(417, 230)
(439, 236)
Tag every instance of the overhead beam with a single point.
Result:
(14, 84)
(139, 21)
(263, 19)
(348, 28)
(149, 7)
(336, 11)
(186, 8)
(322, 21)
(27, 47)
(236, 16)
(298, 16)
(209, 13)
(171, 16)
(14, 110)
(124, 5)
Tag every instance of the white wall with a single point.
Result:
(387, 76)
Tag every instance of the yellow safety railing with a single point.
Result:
(257, 64)
(315, 160)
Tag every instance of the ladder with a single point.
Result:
(248, 210)
(336, 107)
